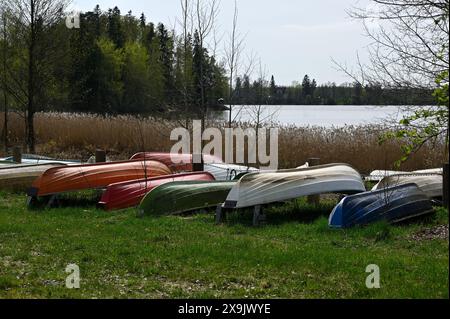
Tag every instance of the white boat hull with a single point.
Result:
(431, 185)
(378, 175)
(21, 176)
(269, 187)
(227, 172)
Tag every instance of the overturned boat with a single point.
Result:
(431, 185)
(378, 175)
(39, 159)
(228, 172)
(130, 193)
(269, 187)
(177, 162)
(392, 204)
(92, 176)
(19, 177)
(181, 197)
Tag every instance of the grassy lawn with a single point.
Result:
(295, 255)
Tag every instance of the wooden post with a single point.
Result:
(258, 215)
(100, 156)
(197, 163)
(221, 215)
(445, 182)
(17, 154)
(313, 199)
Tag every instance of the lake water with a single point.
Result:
(318, 115)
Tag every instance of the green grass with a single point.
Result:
(295, 255)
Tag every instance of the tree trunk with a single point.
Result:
(30, 107)
(5, 96)
(30, 132)
(5, 126)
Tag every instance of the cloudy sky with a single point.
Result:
(292, 37)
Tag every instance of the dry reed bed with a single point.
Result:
(77, 136)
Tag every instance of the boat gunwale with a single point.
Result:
(310, 168)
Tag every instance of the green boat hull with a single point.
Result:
(181, 197)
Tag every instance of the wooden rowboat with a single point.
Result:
(92, 176)
(268, 187)
(181, 197)
(19, 177)
(393, 204)
(130, 193)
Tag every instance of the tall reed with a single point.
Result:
(68, 135)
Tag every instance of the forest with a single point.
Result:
(123, 64)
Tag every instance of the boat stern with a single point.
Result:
(335, 220)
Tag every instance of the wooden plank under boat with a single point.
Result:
(130, 193)
(175, 161)
(228, 172)
(92, 176)
(269, 187)
(430, 184)
(182, 197)
(393, 204)
(19, 177)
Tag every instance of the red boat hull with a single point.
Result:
(176, 162)
(91, 176)
(130, 193)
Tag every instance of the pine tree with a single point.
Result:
(306, 90)
(156, 76)
(130, 26)
(273, 90)
(184, 73)
(115, 30)
(166, 49)
(246, 90)
(238, 91)
(85, 62)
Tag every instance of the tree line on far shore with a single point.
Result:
(308, 92)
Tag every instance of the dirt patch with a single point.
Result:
(437, 232)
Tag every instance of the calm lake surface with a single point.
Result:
(318, 115)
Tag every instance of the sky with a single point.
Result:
(291, 37)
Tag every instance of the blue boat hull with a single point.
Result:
(392, 204)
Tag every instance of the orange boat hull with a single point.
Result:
(91, 176)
